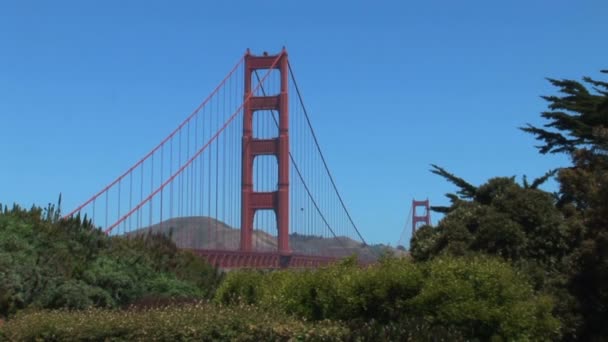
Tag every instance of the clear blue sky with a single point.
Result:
(88, 87)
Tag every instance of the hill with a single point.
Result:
(202, 232)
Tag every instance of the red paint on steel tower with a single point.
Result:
(425, 218)
(251, 200)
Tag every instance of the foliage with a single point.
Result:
(194, 322)
(559, 240)
(240, 287)
(584, 189)
(504, 219)
(578, 126)
(577, 120)
(520, 224)
(485, 299)
(48, 262)
(475, 297)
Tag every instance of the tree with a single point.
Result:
(577, 120)
(578, 125)
(560, 240)
(500, 218)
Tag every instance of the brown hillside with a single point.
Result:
(202, 232)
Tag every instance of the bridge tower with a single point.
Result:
(418, 218)
(251, 200)
(424, 218)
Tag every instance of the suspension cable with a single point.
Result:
(295, 165)
(331, 178)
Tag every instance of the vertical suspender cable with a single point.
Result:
(151, 187)
(118, 211)
(321, 154)
(162, 163)
(141, 197)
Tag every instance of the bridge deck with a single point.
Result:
(266, 260)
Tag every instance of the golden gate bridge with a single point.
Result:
(242, 181)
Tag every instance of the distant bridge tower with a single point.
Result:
(418, 218)
(425, 218)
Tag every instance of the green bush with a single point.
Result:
(51, 263)
(240, 287)
(484, 298)
(74, 294)
(309, 294)
(380, 292)
(199, 322)
(475, 297)
(408, 329)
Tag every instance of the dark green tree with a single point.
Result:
(560, 240)
(500, 217)
(576, 120)
(577, 124)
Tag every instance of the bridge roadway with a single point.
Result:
(265, 260)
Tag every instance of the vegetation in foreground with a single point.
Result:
(114, 279)
(444, 299)
(191, 322)
(50, 263)
(441, 300)
(560, 240)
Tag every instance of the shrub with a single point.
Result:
(475, 297)
(74, 294)
(380, 292)
(240, 287)
(48, 262)
(483, 298)
(200, 322)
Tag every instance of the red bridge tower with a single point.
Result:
(425, 218)
(278, 201)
